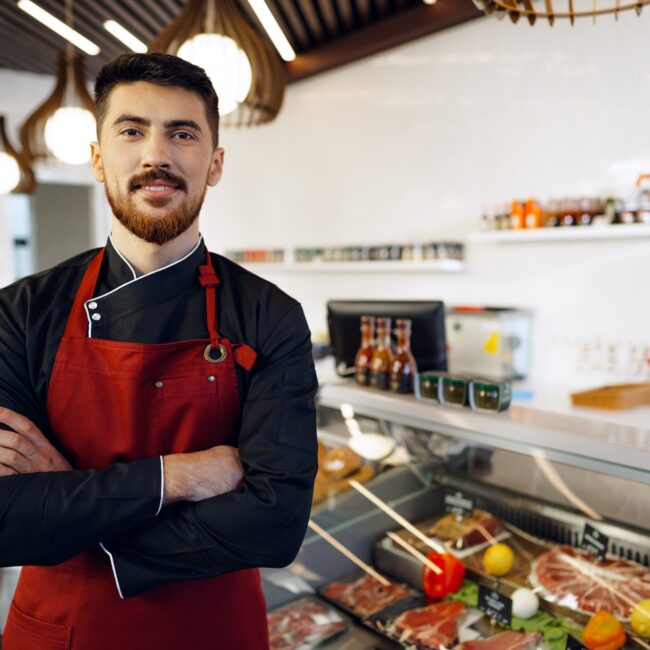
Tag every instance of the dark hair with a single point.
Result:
(161, 69)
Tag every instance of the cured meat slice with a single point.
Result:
(503, 641)
(477, 528)
(430, 627)
(302, 623)
(366, 595)
(574, 578)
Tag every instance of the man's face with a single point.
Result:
(155, 157)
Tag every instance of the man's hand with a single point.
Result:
(25, 449)
(202, 474)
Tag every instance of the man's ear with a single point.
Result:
(216, 166)
(96, 162)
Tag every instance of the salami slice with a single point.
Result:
(575, 579)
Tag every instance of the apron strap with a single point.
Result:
(208, 279)
(244, 355)
(77, 324)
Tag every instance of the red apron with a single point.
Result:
(111, 402)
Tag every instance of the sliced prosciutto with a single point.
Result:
(574, 578)
(301, 624)
(430, 627)
(366, 595)
(503, 641)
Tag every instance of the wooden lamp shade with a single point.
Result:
(27, 183)
(552, 9)
(226, 17)
(69, 79)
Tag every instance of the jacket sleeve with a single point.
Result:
(263, 524)
(46, 518)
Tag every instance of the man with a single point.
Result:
(158, 418)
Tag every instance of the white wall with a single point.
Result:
(410, 143)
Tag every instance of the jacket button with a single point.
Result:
(92, 305)
(159, 384)
(212, 378)
(96, 317)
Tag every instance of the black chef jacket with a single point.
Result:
(46, 518)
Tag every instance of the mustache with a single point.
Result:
(158, 175)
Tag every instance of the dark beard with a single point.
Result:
(156, 230)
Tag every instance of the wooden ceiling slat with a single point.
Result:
(24, 23)
(287, 25)
(341, 25)
(131, 14)
(357, 18)
(309, 32)
(324, 26)
(373, 11)
(87, 23)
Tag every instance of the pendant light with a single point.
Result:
(245, 69)
(64, 124)
(15, 174)
(552, 9)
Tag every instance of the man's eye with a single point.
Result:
(131, 132)
(183, 135)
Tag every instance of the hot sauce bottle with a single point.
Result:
(382, 359)
(365, 352)
(403, 368)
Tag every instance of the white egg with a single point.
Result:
(524, 603)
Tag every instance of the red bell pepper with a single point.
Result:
(448, 581)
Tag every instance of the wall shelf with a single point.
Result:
(397, 266)
(568, 233)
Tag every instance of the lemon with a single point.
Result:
(498, 559)
(640, 618)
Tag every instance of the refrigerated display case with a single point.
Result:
(545, 476)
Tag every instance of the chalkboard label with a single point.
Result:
(495, 605)
(573, 644)
(458, 503)
(594, 542)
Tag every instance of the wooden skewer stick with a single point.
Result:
(436, 546)
(415, 553)
(349, 554)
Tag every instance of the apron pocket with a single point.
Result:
(24, 632)
(190, 412)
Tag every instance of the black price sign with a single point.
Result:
(594, 542)
(495, 605)
(458, 503)
(573, 644)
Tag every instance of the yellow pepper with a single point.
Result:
(603, 632)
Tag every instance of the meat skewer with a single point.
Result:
(348, 553)
(436, 546)
(414, 552)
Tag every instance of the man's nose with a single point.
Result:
(156, 153)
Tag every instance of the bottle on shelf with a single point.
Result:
(365, 352)
(517, 221)
(382, 358)
(403, 367)
(533, 214)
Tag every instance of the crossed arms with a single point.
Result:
(223, 509)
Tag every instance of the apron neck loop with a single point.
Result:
(208, 279)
